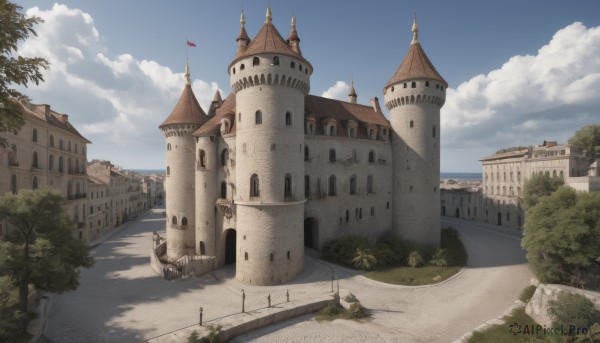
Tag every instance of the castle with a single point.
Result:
(272, 169)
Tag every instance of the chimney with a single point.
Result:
(375, 104)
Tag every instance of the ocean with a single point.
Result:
(461, 176)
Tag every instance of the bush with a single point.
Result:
(343, 250)
(351, 298)
(414, 259)
(194, 337)
(355, 311)
(364, 259)
(332, 310)
(213, 334)
(575, 309)
(441, 258)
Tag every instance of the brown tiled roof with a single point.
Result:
(243, 35)
(315, 106)
(187, 110)
(268, 41)
(416, 65)
(53, 118)
(211, 127)
(509, 154)
(342, 111)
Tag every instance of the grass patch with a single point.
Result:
(527, 293)
(413, 276)
(501, 333)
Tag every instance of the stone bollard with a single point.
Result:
(287, 295)
(269, 299)
(201, 309)
(243, 301)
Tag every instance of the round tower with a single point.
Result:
(270, 79)
(186, 117)
(206, 194)
(414, 97)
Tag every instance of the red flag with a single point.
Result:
(192, 44)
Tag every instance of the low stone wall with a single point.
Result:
(537, 308)
(241, 323)
(198, 265)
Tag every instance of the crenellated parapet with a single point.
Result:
(179, 130)
(415, 92)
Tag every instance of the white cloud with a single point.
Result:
(530, 98)
(338, 91)
(116, 102)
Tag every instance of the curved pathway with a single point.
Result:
(120, 298)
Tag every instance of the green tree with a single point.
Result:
(41, 249)
(562, 235)
(15, 69)
(588, 138)
(538, 186)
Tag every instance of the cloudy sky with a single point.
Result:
(519, 71)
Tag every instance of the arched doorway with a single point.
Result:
(311, 233)
(457, 213)
(499, 218)
(230, 246)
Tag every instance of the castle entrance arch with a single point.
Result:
(230, 238)
(457, 213)
(311, 233)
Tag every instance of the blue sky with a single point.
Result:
(519, 71)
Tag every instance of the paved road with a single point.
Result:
(121, 300)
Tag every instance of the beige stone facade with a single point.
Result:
(499, 199)
(272, 169)
(47, 151)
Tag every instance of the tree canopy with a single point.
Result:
(588, 138)
(538, 186)
(15, 69)
(562, 236)
(42, 248)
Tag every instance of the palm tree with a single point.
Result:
(364, 259)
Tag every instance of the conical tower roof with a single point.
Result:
(187, 110)
(268, 41)
(416, 64)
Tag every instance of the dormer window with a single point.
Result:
(255, 61)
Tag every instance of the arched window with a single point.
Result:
(433, 131)
(370, 187)
(239, 117)
(35, 183)
(412, 124)
(224, 157)
(292, 64)
(332, 157)
(353, 184)
(184, 221)
(13, 184)
(34, 160)
(52, 141)
(223, 189)
(287, 187)
(34, 135)
(246, 256)
(288, 118)
(168, 170)
(276, 60)
(426, 83)
(202, 158)
(271, 257)
(347, 216)
(289, 255)
(254, 186)
(306, 153)
(174, 220)
(332, 186)
(69, 189)
(51, 162)
(202, 248)
(14, 149)
(332, 130)
(255, 61)
(60, 164)
(413, 84)
(258, 117)
(300, 67)
(169, 146)
(371, 156)
(242, 66)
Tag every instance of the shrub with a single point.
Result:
(343, 250)
(332, 310)
(350, 298)
(355, 311)
(414, 259)
(385, 254)
(194, 337)
(364, 259)
(441, 258)
(213, 334)
(575, 309)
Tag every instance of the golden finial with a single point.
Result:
(187, 74)
(269, 15)
(415, 30)
(242, 19)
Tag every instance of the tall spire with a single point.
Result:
(269, 18)
(293, 39)
(242, 37)
(242, 19)
(352, 94)
(415, 30)
(187, 74)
